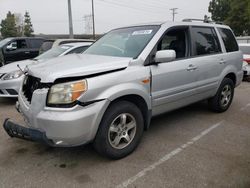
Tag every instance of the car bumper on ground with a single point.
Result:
(10, 88)
(60, 127)
(18, 131)
(246, 70)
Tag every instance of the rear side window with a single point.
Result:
(205, 41)
(229, 40)
(36, 43)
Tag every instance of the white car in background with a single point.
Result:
(245, 48)
(11, 75)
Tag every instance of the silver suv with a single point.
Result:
(108, 95)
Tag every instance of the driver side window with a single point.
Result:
(175, 39)
(17, 44)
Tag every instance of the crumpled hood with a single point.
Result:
(76, 65)
(13, 66)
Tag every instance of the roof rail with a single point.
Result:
(201, 20)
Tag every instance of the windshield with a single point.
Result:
(53, 52)
(4, 41)
(125, 42)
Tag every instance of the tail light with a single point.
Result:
(247, 60)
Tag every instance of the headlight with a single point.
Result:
(12, 75)
(66, 93)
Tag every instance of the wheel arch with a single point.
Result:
(140, 103)
(231, 76)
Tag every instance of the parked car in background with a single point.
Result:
(108, 94)
(50, 43)
(47, 44)
(245, 48)
(19, 48)
(11, 75)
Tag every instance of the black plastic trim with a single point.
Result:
(74, 103)
(18, 131)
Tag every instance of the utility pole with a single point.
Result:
(70, 20)
(93, 18)
(88, 23)
(174, 12)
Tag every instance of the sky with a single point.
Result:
(51, 16)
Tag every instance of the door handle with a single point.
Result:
(222, 61)
(27, 52)
(192, 67)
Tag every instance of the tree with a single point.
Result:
(219, 9)
(19, 23)
(239, 17)
(234, 13)
(28, 27)
(8, 26)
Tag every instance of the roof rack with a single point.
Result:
(201, 20)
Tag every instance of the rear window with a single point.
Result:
(206, 41)
(78, 50)
(53, 52)
(46, 46)
(229, 40)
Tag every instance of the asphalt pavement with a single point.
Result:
(190, 147)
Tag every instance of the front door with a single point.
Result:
(173, 83)
(16, 50)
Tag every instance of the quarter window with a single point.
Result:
(229, 40)
(206, 41)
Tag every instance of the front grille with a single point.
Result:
(30, 84)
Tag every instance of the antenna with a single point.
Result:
(21, 69)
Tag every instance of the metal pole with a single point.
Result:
(174, 12)
(93, 18)
(70, 20)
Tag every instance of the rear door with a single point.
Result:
(232, 55)
(34, 46)
(209, 59)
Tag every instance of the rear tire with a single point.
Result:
(120, 130)
(248, 78)
(224, 96)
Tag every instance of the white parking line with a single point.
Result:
(167, 157)
(245, 107)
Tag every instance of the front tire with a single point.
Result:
(120, 130)
(224, 96)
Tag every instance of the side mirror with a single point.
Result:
(165, 56)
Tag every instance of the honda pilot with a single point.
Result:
(108, 95)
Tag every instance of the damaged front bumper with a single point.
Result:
(18, 131)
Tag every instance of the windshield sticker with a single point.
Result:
(142, 32)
